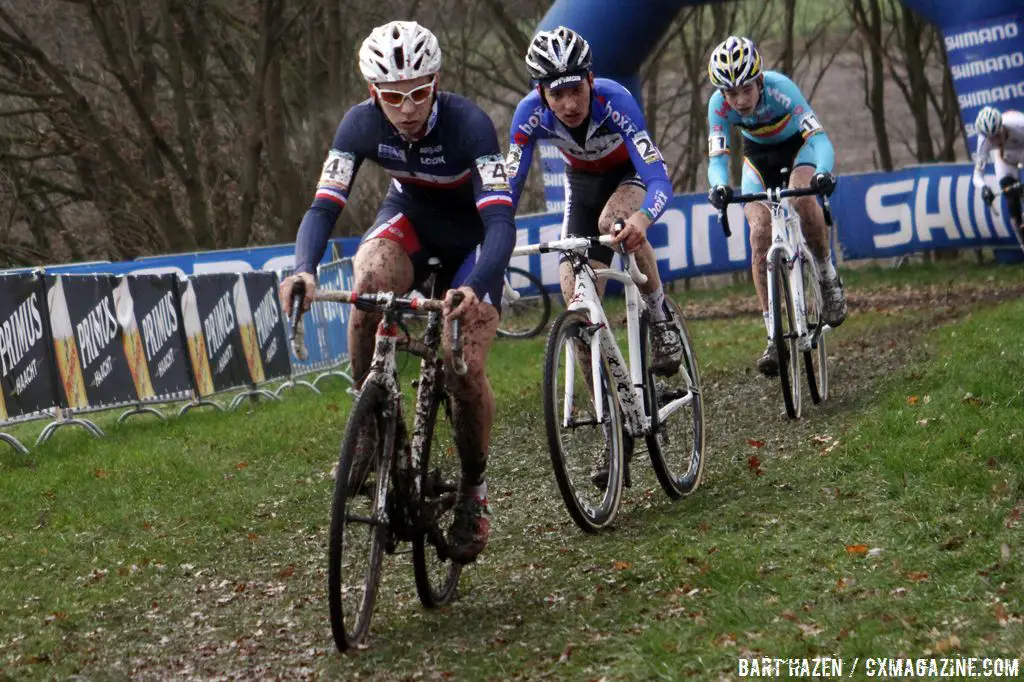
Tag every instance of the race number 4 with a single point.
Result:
(493, 174)
(337, 171)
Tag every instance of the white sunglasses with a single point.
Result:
(396, 98)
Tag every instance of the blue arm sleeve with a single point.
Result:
(314, 232)
(493, 202)
(332, 189)
(521, 143)
(646, 158)
(718, 141)
(824, 154)
(810, 127)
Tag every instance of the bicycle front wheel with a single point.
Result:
(676, 406)
(527, 316)
(357, 518)
(785, 335)
(815, 357)
(586, 453)
(437, 578)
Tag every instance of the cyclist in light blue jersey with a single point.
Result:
(784, 144)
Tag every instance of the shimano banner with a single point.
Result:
(26, 379)
(915, 209)
(987, 62)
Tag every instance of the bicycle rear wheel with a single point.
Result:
(676, 441)
(527, 316)
(785, 333)
(357, 522)
(579, 444)
(437, 578)
(816, 357)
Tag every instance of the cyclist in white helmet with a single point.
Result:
(784, 144)
(1001, 138)
(449, 197)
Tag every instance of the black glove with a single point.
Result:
(1007, 182)
(987, 195)
(720, 196)
(825, 183)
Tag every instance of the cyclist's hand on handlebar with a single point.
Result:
(987, 195)
(633, 234)
(468, 305)
(285, 291)
(824, 183)
(720, 196)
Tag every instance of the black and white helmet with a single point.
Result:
(556, 53)
(398, 51)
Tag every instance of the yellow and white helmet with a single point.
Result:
(734, 62)
(989, 122)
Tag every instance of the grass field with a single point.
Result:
(886, 523)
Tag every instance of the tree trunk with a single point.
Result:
(912, 32)
(869, 21)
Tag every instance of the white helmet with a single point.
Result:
(558, 52)
(734, 62)
(399, 51)
(989, 122)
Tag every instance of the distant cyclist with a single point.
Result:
(1001, 138)
(613, 168)
(784, 144)
(449, 197)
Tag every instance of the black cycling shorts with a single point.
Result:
(585, 197)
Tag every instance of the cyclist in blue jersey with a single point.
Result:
(784, 144)
(449, 197)
(613, 168)
(613, 172)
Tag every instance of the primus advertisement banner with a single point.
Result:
(26, 381)
(88, 342)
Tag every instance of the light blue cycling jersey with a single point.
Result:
(781, 113)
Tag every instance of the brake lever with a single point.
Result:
(458, 361)
(297, 328)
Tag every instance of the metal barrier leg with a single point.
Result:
(13, 442)
(52, 427)
(141, 409)
(334, 373)
(253, 394)
(199, 403)
(294, 383)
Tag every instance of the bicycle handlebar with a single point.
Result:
(774, 195)
(377, 301)
(578, 244)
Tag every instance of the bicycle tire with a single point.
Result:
(368, 408)
(525, 307)
(439, 489)
(816, 357)
(785, 334)
(570, 325)
(677, 479)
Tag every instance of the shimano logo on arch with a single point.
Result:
(981, 36)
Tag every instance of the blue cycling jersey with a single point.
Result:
(616, 135)
(455, 167)
(781, 113)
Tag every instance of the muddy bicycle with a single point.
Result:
(392, 486)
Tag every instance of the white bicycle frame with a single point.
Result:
(788, 237)
(629, 386)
